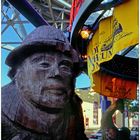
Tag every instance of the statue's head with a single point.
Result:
(43, 68)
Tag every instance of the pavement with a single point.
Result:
(88, 132)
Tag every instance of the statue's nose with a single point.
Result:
(55, 71)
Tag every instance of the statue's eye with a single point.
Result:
(44, 64)
(65, 65)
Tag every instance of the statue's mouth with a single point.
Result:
(53, 96)
(55, 91)
(58, 91)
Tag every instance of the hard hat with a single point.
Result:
(41, 39)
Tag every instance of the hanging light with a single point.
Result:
(85, 34)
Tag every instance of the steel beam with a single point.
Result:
(21, 26)
(56, 8)
(26, 9)
(16, 22)
(51, 12)
(9, 48)
(62, 23)
(6, 43)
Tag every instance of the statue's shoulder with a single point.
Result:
(8, 89)
(7, 92)
(9, 100)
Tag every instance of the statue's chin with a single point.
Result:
(47, 99)
(50, 101)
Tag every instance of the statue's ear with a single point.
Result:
(19, 76)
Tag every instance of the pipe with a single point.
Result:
(64, 3)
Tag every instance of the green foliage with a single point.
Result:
(132, 106)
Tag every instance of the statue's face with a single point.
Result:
(45, 79)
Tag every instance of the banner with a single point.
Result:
(111, 86)
(126, 25)
(93, 51)
(114, 34)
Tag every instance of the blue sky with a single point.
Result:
(9, 35)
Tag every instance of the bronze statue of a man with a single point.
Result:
(40, 102)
